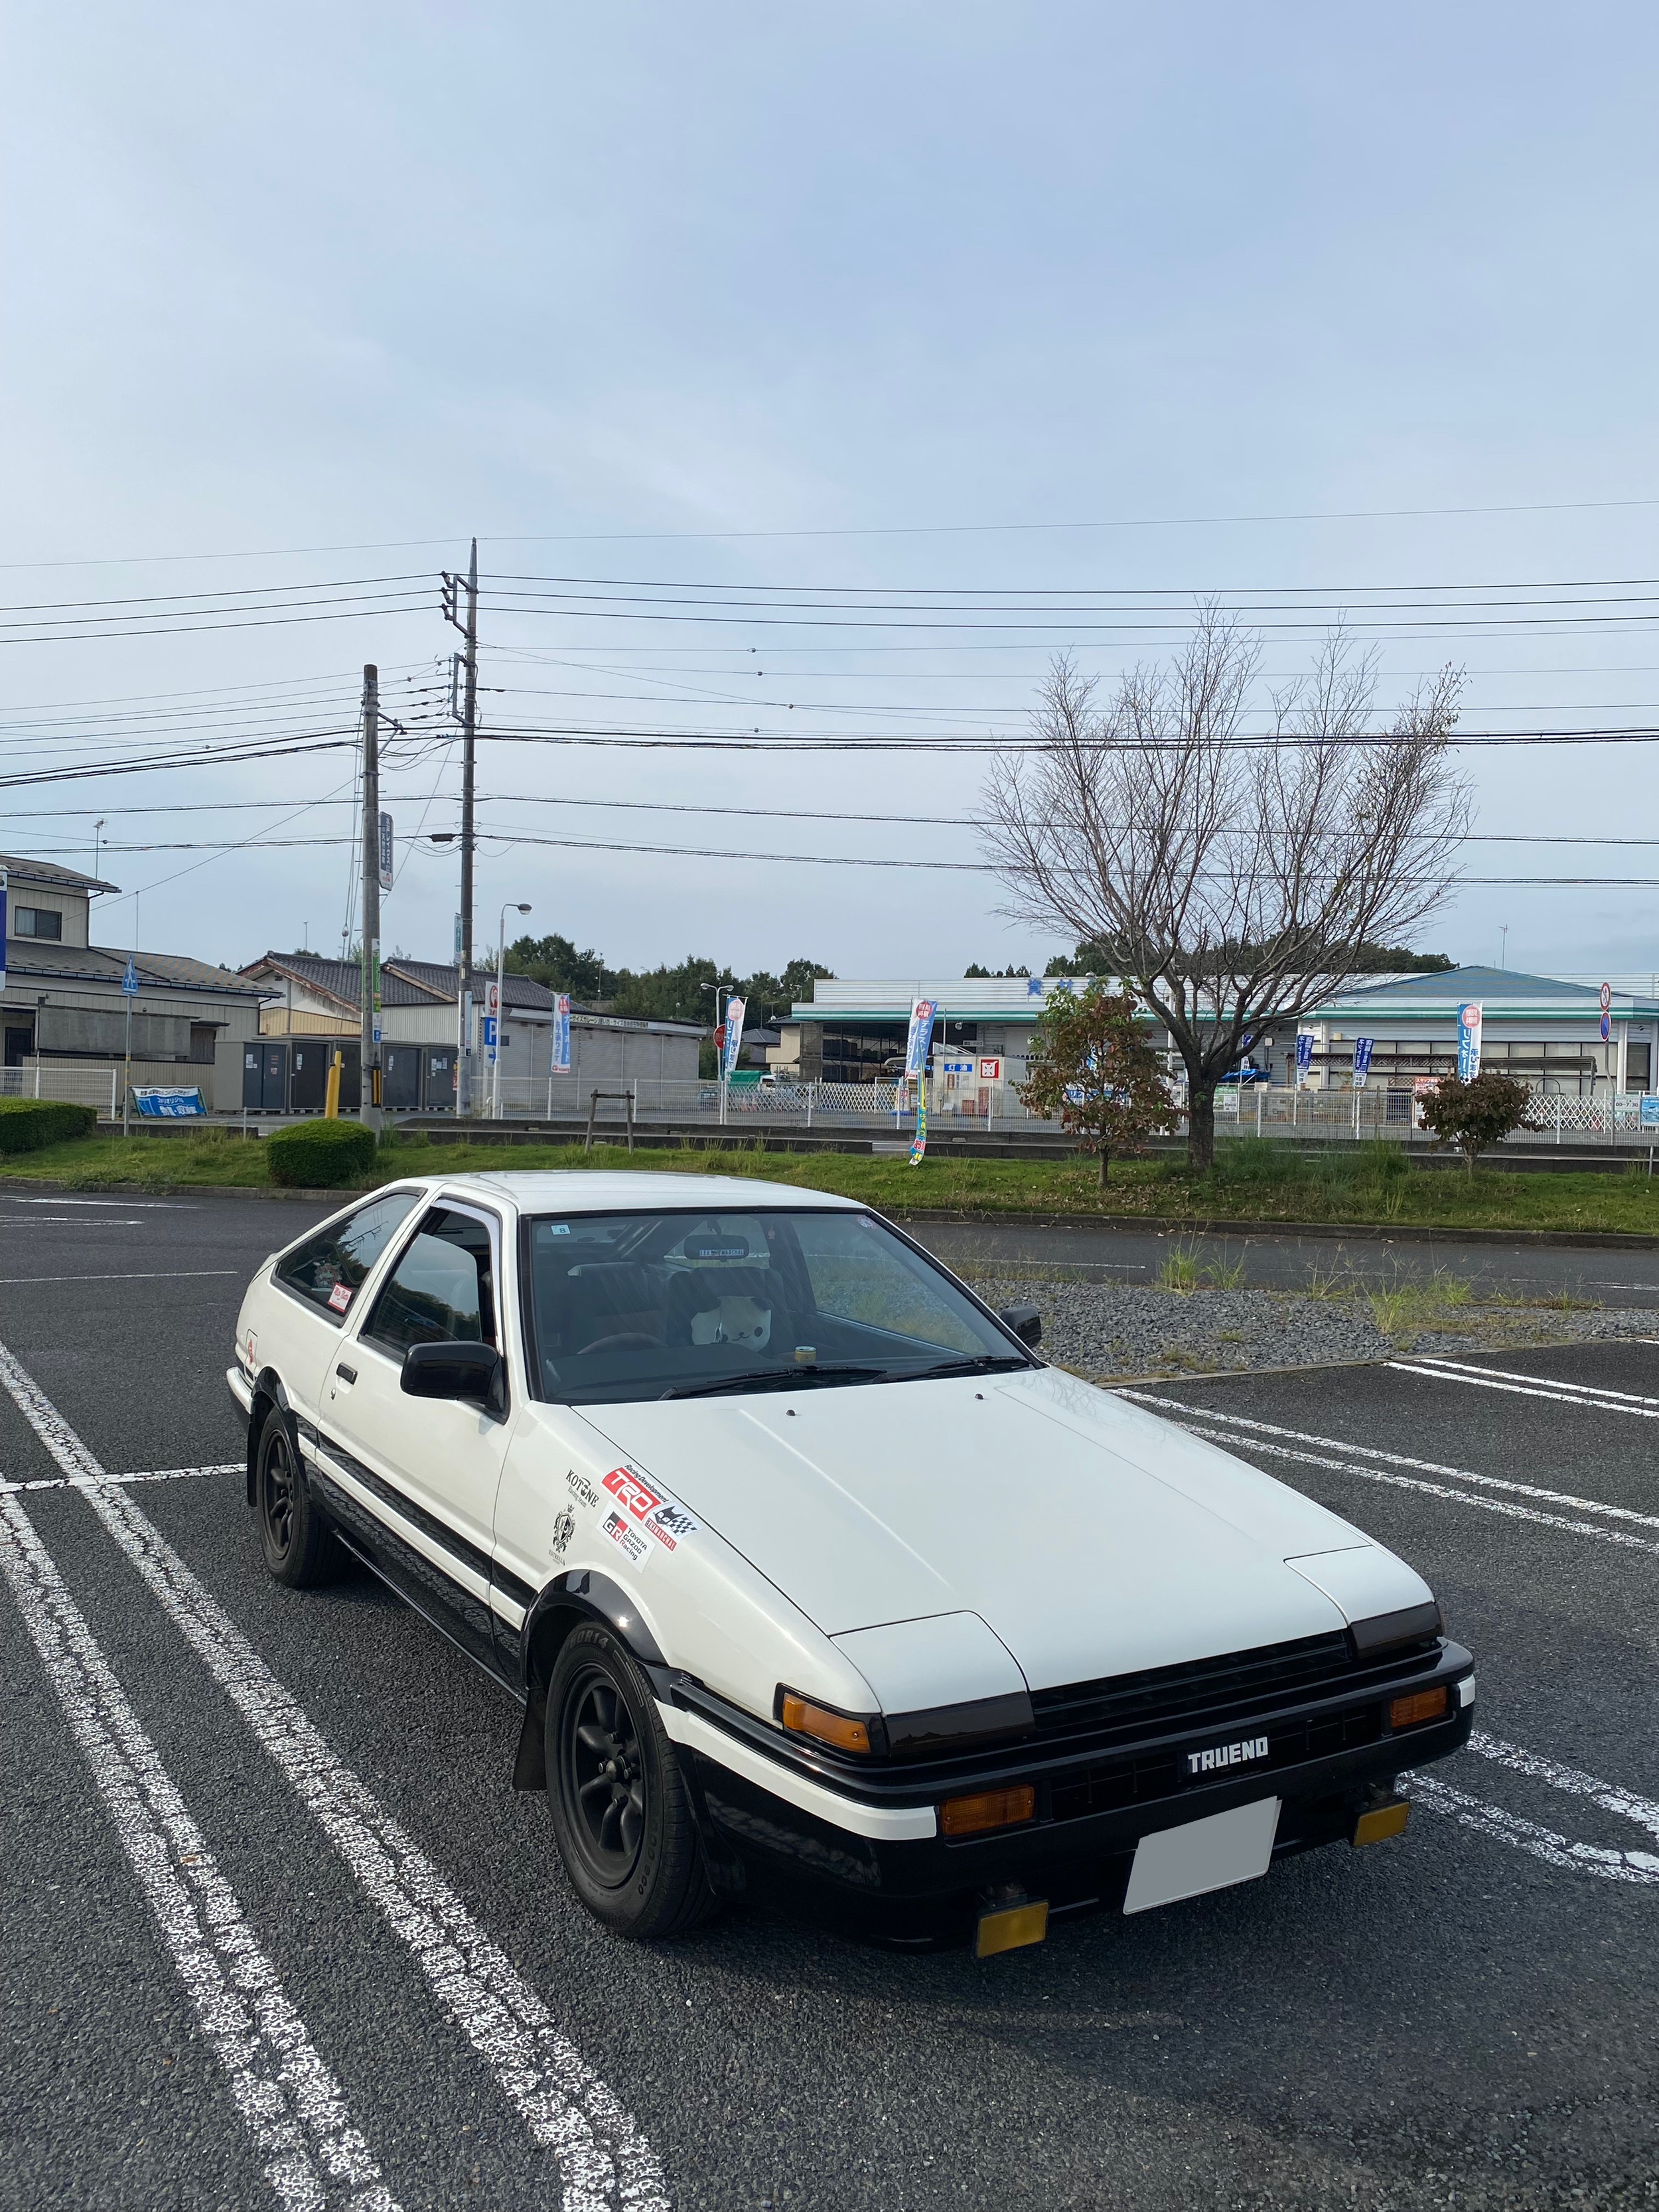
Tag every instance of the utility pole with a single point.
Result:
(469, 783)
(369, 1056)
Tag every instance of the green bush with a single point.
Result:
(27, 1124)
(320, 1155)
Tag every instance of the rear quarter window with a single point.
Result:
(329, 1269)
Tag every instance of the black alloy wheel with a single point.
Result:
(622, 1816)
(606, 1784)
(300, 1548)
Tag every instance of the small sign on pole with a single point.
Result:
(489, 1035)
(385, 851)
(130, 981)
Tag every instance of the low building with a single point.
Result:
(310, 1011)
(1543, 1030)
(64, 1007)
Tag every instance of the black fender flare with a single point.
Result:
(581, 1595)
(268, 1391)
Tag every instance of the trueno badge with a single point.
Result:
(1226, 1754)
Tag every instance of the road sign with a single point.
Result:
(489, 1038)
(1607, 1027)
(493, 1000)
(1607, 996)
(130, 981)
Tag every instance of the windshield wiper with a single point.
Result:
(981, 1363)
(776, 1378)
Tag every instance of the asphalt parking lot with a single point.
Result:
(263, 1871)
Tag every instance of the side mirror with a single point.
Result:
(455, 1370)
(1025, 1322)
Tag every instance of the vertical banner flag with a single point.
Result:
(1468, 1040)
(561, 1034)
(916, 1067)
(1362, 1060)
(735, 1010)
(385, 851)
(1303, 1054)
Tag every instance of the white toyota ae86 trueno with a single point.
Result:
(805, 1565)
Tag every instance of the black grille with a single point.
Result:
(1204, 1690)
(1162, 1774)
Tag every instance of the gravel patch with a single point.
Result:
(1109, 1331)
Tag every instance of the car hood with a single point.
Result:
(1091, 1536)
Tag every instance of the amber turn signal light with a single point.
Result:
(1421, 1705)
(992, 1808)
(837, 1729)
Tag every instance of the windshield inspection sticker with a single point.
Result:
(339, 1297)
(628, 1540)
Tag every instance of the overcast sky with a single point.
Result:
(844, 297)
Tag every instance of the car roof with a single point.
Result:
(583, 1190)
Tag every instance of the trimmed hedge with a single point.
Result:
(320, 1155)
(27, 1124)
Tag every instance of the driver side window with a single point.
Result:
(442, 1290)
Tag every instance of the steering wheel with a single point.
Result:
(626, 1340)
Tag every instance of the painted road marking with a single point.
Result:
(1554, 1381)
(314, 2154)
(1560, 1393)
(112, 1205)
(603, 2158)
(1558, 1850)
(1350, 1465)
(146, 1275)
(150, 1475)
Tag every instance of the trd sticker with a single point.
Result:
(581, 1487)
(628, 1540)
(621, 1482)
(339, 1297)
(668, 1524)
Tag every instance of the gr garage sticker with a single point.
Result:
(628, 1540)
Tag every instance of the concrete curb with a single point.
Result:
(1587, 1240)
(1610, 1240)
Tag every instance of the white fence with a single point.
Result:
(76, 1084)
(1247, 1109)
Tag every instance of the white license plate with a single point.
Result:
(1203, 1855)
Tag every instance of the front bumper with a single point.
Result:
(871, 1857)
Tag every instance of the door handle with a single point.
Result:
(346, 1373)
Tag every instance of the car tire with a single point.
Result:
(301, 1549)
(622, 1817)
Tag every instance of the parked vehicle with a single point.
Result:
(809, 1573)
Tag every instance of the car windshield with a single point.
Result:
(650, 1305)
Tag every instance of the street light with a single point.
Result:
(501, 977)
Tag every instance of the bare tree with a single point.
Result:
(1230, 878)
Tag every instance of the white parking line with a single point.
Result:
(1484, 1378)
(1505, 1827)
(1201, 1420)
(143, 1275)
(603, 2158)
(150, 1475)
(1554, 1381)
(292, 2106)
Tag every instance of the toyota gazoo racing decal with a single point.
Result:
(660, 1517)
